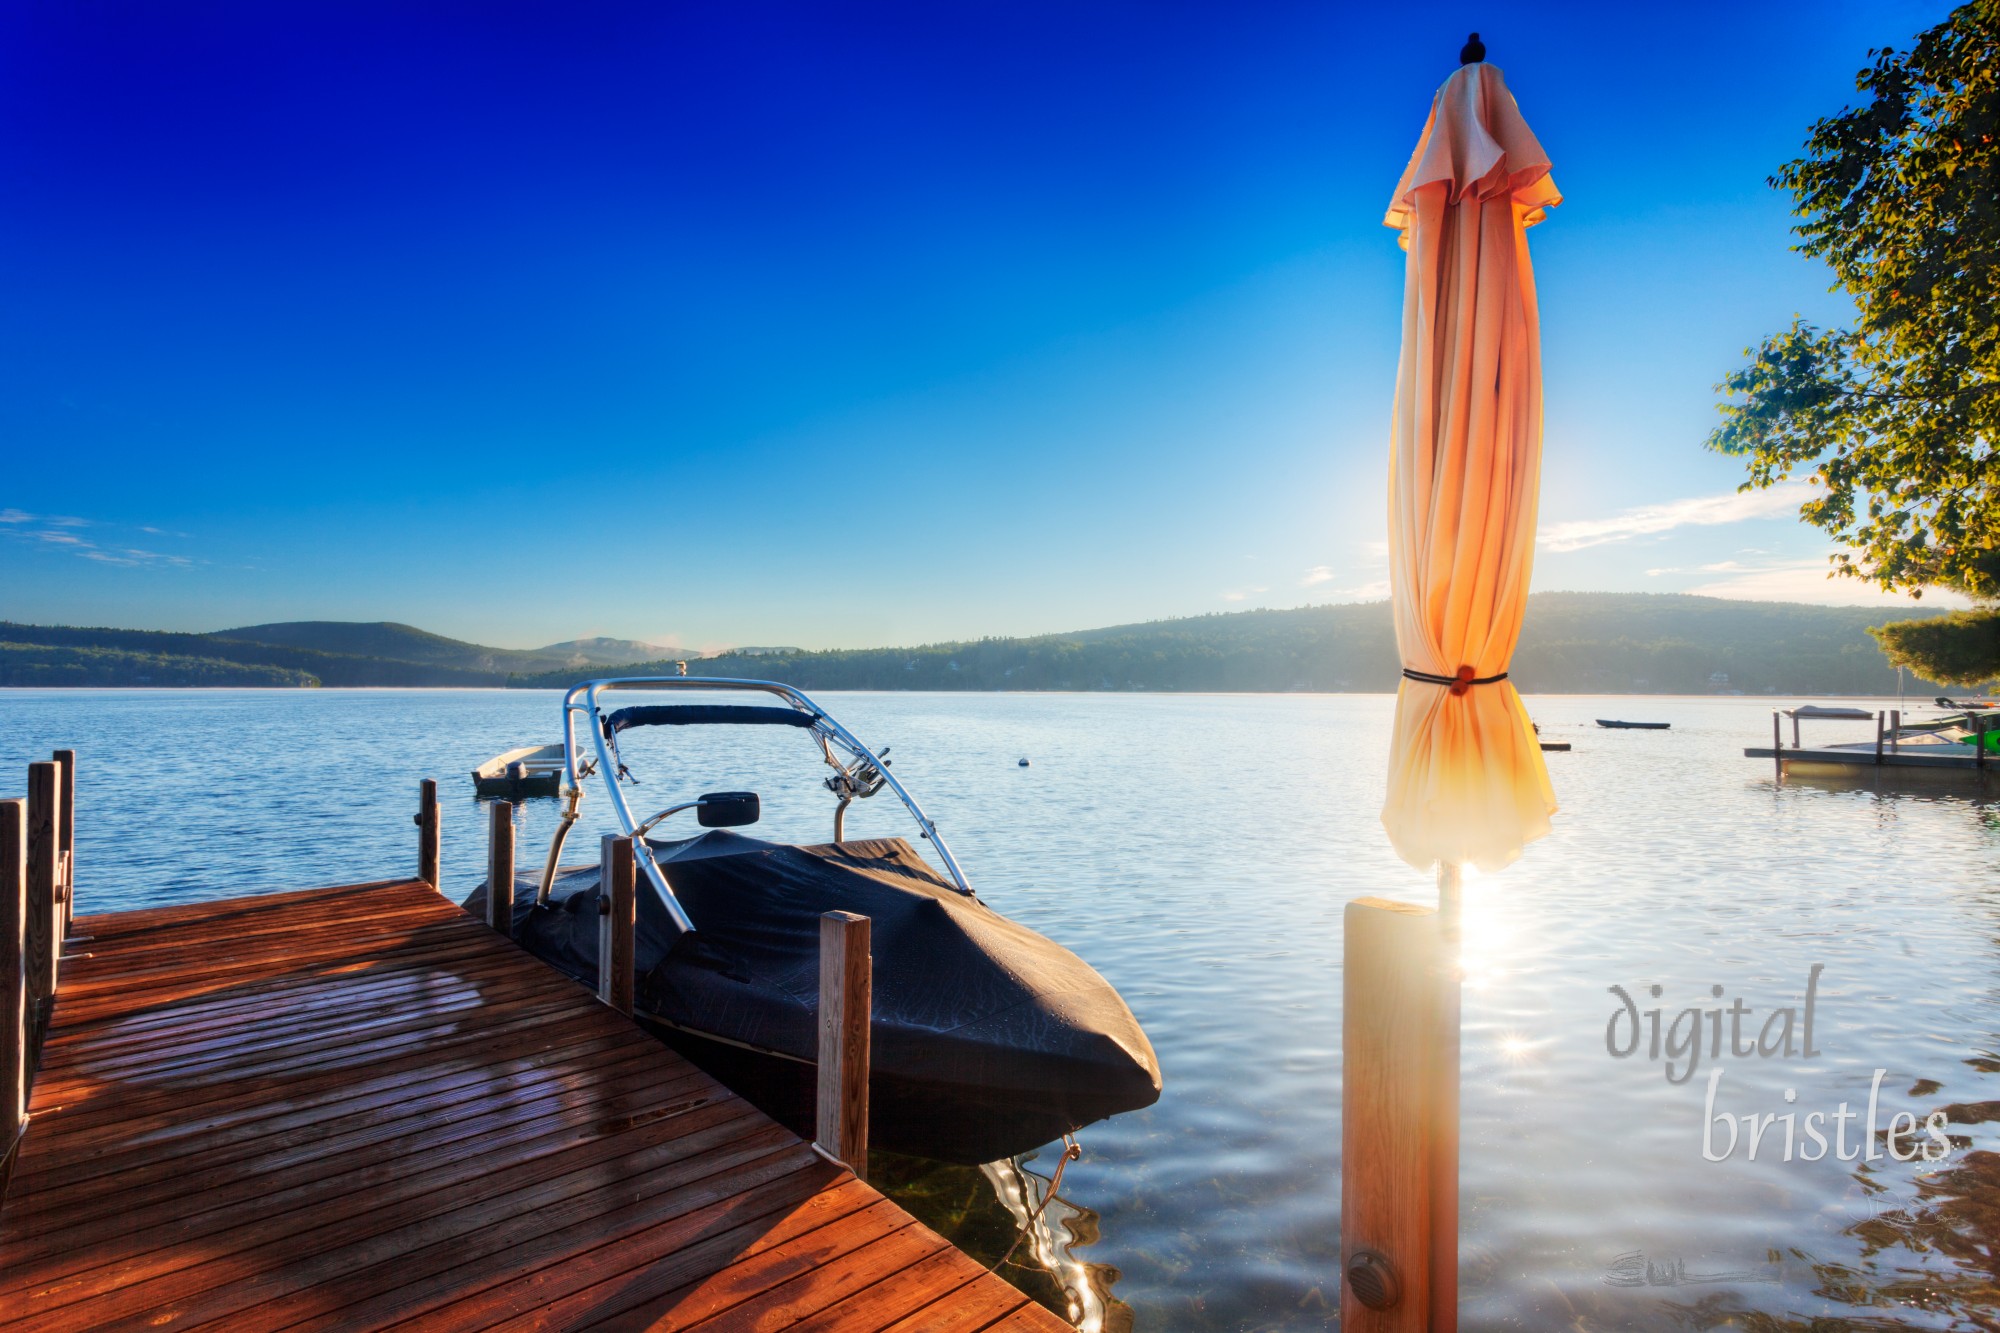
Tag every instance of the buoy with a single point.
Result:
(1024, 763)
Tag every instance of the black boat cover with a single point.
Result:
(967, 1005)
(692, 715)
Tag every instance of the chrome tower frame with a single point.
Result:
(583, 700)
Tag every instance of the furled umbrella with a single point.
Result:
(1467, 785)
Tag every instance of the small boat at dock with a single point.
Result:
(988, 1039)
(1617, 725)
(532, 770)
(1816, 710)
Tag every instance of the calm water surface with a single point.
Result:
(1198, 850)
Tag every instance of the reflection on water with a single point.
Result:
(1197, 851)
(1015, 1220)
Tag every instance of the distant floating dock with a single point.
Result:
(1891, 754)
(359, 1107)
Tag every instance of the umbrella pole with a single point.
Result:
(1444, 1156)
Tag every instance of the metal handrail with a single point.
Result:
(583, 699)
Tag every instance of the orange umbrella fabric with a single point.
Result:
(1466, 780)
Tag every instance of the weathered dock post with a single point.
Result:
(846, 1013)
(1392, 1124)
(500, 867)
(1777, 748)
(15, 1014)
(616, 900)
(1881, 735)
(44, 908)
(66, 850)
(1895, 729)
(428, 833)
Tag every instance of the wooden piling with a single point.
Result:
(500, 867)
(846, 1013)
(617, 898)
(15, 1016)
(44, 909)
(1895, 729)
(1777, 747)
(1881, 735)
(66, 851)
(428, 833)
(1393, 974)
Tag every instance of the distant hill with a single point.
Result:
(23, 664)
(304, 665)
(1571, 643)
(607, 652)
(405, 643)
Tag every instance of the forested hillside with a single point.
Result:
(1571, 643)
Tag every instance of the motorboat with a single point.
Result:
(532, 770)
(1617, 725)
(988, 1039)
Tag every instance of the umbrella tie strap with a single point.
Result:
(1459, 683)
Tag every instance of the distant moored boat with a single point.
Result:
(532, 770)
(1616, 725)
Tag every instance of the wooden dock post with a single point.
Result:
(1777, 747)
(500, 867)
(1979, 743)
(428, 833)
(1393, 976)
(67, 848)
(1881, 735)
(616, 900)
(846, 1014)
(44, 909)
(1895, 729)
(15, 1013)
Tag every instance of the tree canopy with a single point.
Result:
(1895, 418)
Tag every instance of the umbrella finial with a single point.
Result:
(1473, 51)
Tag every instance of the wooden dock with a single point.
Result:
(359, 1108)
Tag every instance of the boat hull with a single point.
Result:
(988, 1039)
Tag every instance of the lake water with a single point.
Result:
(1198, 851)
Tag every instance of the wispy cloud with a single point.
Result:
(60, 531)
(1241, 594)
(130, 557)
(1807, 580)
(1697, 511)
(1317, 575)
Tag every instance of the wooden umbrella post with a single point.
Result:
(1389, 1121)
(1444, 1107)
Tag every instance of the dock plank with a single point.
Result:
(359, 1108)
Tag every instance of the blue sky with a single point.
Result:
(845, 324)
